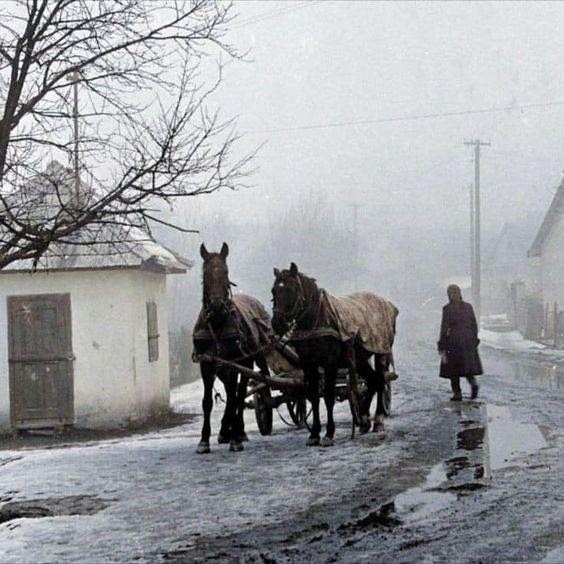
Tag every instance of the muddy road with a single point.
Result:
(479, 481)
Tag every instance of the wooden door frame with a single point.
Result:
(64, 300)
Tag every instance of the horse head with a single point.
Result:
(217, 287)
(288, 298)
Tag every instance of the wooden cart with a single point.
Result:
(285, 387)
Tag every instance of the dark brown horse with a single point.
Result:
(303, 310)
(222, 330)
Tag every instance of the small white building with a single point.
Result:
(84, 338)
(546, 260)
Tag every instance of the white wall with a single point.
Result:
(552, 269)
(113, 379)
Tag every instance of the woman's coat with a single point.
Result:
(459, 340)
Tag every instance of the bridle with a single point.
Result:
(226, 303)
(299, 308)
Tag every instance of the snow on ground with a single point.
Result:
(160, 491)
(514, 342)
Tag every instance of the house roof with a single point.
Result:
(100, 246)
(513, 240)
(555, 210)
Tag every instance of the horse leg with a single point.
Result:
(208, 372)
(330, 378)
(227, 376)
(369, 375)
(380, 367)
(230, 416)
(311, 375)
(240, 419)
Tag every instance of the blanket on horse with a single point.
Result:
(247, 320)
(363, 316)
(368, 317)
(250, 323)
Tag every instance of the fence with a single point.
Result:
(536, 320)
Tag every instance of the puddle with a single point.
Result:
(470, 438)
(494, 442)
(384, 516)
(540, 373)
(52, 507)
(488, 439)
(418, 503)
(508, 439)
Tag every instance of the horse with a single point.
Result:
(312, 321)
(232, 328)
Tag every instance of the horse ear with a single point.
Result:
(204, 252)
(293, 269)
(224, 250)
(276, 273)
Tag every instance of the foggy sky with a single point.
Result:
(333, 62)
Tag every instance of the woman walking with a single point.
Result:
(458, 344)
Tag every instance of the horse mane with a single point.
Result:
(310, 287)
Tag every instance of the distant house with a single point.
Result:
(84, 339)
(546, 286)
(505, 264)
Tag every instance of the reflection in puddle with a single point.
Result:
(488, 439)
(541, 373)
(470, 439)
(509, 439)
(493, 443)
(418, 503)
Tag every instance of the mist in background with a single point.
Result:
(359, 180)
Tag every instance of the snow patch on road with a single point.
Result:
(513, 341)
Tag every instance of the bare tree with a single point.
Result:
(146, 134)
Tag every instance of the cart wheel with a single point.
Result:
(384, 406)
(263, 410)
(298, 412)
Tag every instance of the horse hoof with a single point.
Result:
(235, 446)
(222, 439)
(313, 441)
(378, 424)
(327, 442)
(244, 438)
(203, 448)
(364, 426)
(390, 376)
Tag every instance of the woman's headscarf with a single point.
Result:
(454, 294)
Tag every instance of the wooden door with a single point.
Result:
(41, 360)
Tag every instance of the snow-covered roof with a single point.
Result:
(100, 246)
(555, 210)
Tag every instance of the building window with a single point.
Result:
(152, 331)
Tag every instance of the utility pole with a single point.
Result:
(472, 233)
(476, 273)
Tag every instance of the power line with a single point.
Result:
(493, 109)
(273, 14)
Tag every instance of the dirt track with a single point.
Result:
(481, 481)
